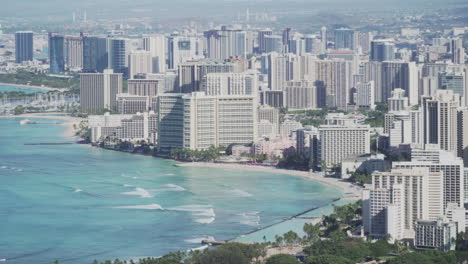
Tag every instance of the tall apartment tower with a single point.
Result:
(191, 73)
(230, 83)
(458, 52)
(98, 91)
(382, 50)
(421, 198)
(157, 46)
(440, 120)
(344, 38)
(117, 55)
(95, 54)
(56, 53)
(340, 139)
(300, 95)
(323, 35)
(24, 46)
(262, 40)
(455, 82)
(198, 121)
(404, 75)
(440, 161)
(74, 51)
(140, 62)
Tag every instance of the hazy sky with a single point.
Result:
(177, 8)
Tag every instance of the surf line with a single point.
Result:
(284, 220)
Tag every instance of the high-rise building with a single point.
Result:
(286, 36)
(312, 44)
(140, 62)
(440, 120)
(365, 95)
(145, 87)
(230, 83)
(323, 35)
(269, 114)
(191, 73)
(56, 53)
(440, 161)
(24, 46)
(436, 235)
(402, 75)
(296, 46)
(74, 51)
(462, 138)
(333, 82)
(98, 91)
(95, 55)
(307, 145)
(157, 46)
(382, 50)
(300, 95)
(344, 38)
(419, 197)
(198, 121)
(261, 39)
(454, 82)
(278, 66)
(341, 141)
(225, 43)
(117, 55)
(132, 104)
(182, 49)
(458, 52)
(372, 71)
(398, 101)
(274, 43)
(363, 42)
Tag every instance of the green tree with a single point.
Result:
(291, 238)
(312, 232)
(328, 259)
(282, 259)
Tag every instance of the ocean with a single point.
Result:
(76, 203)
(12, 87)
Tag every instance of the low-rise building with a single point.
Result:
(439, 234)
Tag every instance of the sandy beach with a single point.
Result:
(68, 123)
(45, 88)
(352, 192)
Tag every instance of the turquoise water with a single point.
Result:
(76, 203)
(9, 88)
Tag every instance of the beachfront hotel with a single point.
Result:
(98, 91)
(338, 142)
(198, 121)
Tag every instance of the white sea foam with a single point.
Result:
(205, 220)
(250, 218)
(169, 174)
(2, 260)
(198, 240)
(240, 193)
(4, 167)
(198, 248)
(19, 170)
(77, 190)
(203, 214)
(175, 188)
(128, 176)
(139, 192)
(128, 185)
(142, 207)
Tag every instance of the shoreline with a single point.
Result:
(45, 88)
(350, 191)
(69, 121)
